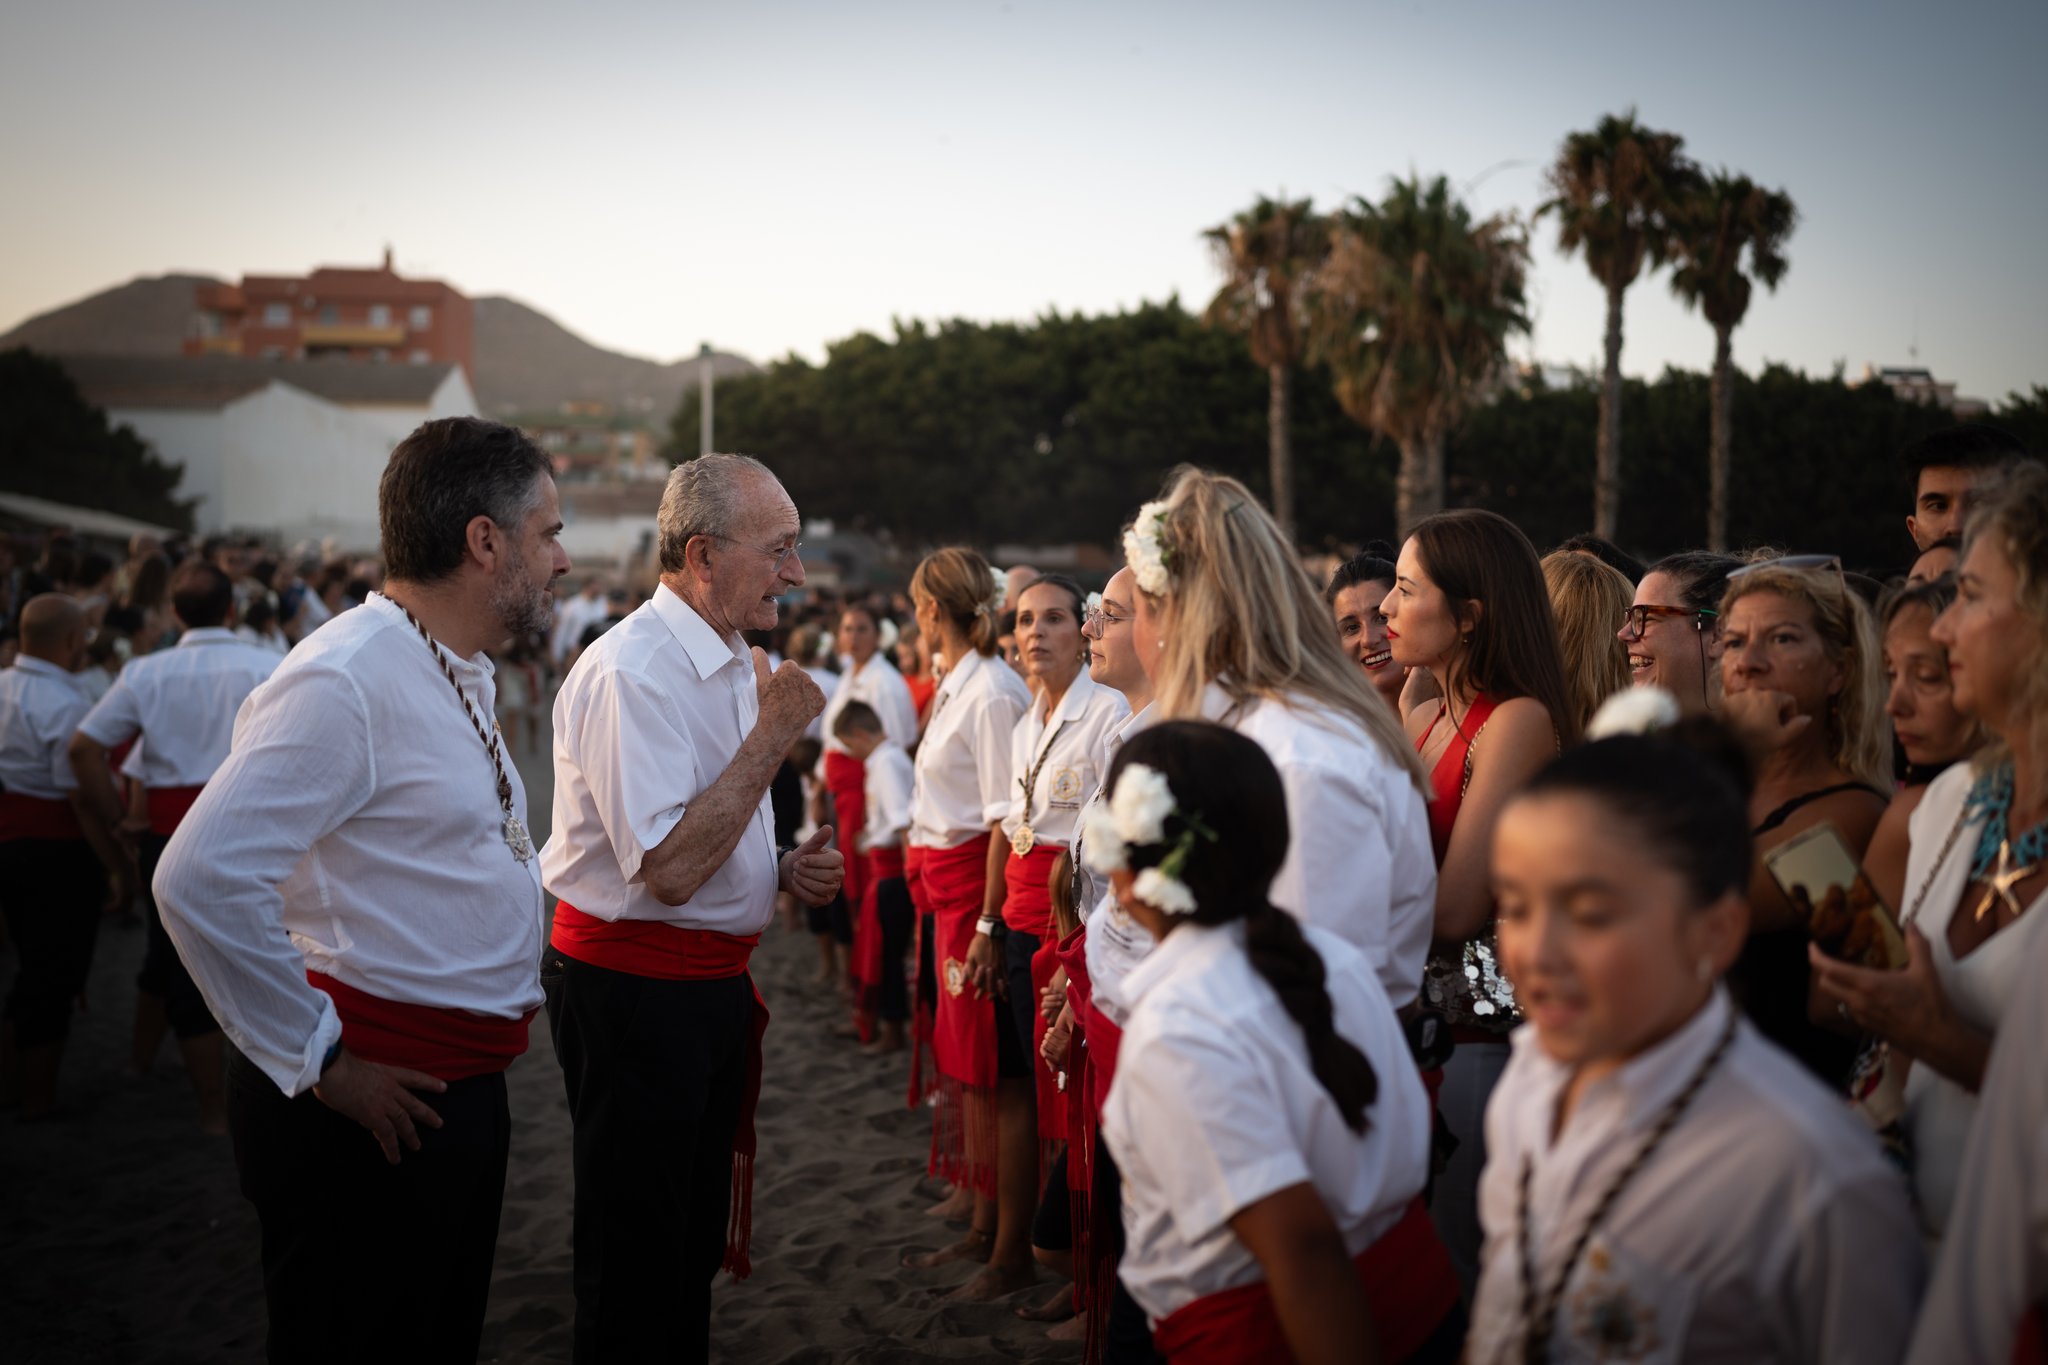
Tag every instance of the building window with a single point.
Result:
(422, 317)
(380, 354)
(380, 315)
(273, 353)
(277, 315)
(420, 357)
(330, 315)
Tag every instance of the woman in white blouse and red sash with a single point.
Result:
(963, 795)
(1268, 1120)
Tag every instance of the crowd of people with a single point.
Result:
(1470, 953)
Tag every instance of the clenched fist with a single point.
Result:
(789, 699)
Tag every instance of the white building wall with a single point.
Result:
(192, 437)
(302, 468)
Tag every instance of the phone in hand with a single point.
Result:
(1844, 914)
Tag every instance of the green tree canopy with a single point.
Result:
(55, 445)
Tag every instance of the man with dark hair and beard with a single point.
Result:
(357, 897)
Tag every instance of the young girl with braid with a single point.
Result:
(1663, 1183)
(1266, 1115)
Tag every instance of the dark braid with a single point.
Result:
(1294, 970)
(1228, 784)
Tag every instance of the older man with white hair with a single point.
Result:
(667, 733)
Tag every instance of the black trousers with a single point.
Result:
(655, 1073)
(898, 917)
(51, 891)
(163, 973)
(363, 1260)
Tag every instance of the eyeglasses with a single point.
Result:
(1636, 620)
(1098, 618)
(781, 554)
(1812, 563)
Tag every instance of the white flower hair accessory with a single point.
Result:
(1634, 711)
(1136, 815)
(1002, 589)
(1146, 550)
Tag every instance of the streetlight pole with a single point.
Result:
(704, 408)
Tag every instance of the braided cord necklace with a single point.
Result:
(515, 835)
(1539, 1310)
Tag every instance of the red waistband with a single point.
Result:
(844, 773)
(1409, 1287)
(954, 878)
(884, 863)
(168, 805)
(1027, 896)
(666, 952)
(448, 1044)
(37, 817)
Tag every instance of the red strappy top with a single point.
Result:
(1447, 779)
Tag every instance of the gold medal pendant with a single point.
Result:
(1022, 842)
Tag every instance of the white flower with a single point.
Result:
(1102, 847)
(1144, 553)
(1634, 711)
(1157, 889)
(1141, 803)
(1092, 605)
(1002, 589)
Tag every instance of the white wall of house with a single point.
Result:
(452, 398)
(608, 542)
(192, 437)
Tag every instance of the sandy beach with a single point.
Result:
(123, 1237)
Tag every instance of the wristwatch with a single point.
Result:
(986, 924)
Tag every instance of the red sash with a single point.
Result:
(1027, 891)
(37, 817)
(669, 952)
(1409, 1288)
(846, 779)
(168, 806)
(447, 1044)
(1052, 1101)
(964, 1031)
(883, 864)
(922, 1018)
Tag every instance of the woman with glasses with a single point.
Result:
(1469, 605)
(1053, 753)
(1672, 633)
(1800, 682)
(963, 794)
(1978, 874)
(1354, 594)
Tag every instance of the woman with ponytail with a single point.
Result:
(1662, 1182)
(1267, 1118)
(1239, 635)
(963, 794)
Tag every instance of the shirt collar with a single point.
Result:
(1072, 704)
(1188, 944)
(1647, 1082)
(478, 663)
(43, 668)
(210, 635)
(707, 652)
(958, 676)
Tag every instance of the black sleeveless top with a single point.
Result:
(1771, 977)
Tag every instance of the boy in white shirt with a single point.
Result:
(882, 928)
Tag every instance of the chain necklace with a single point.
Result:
(1026, 838)
(516, 837)
(1539, 1310)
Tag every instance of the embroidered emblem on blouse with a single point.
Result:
(956, 976)
(1607, 1319)
(1066, 785)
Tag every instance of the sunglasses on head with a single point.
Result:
(1809, 563)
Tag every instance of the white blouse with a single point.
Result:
(1980, 988)
(963, 762)
(355, 831)
(1216, 1107)
(182, 701)
(651, 715)
(1359, 860)
(1115, 942)
(1067, 749)
(879, 685)
(1767, 1226)
(888, 788)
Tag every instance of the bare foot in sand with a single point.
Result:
(889, 1040)
(956, 1207)
(973, 1247)
(1058, 1308)
(995, 1282)
(1073, 1329)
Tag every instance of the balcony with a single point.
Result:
(315, 334)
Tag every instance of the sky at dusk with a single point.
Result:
(772, 177)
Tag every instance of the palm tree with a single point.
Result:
(1727, 215)
(1269, 255)
(1412, 313)
(1614, 191)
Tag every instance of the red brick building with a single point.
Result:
(367, 315)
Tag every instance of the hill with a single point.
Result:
(526, 362)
